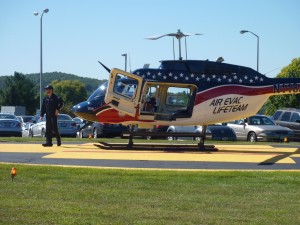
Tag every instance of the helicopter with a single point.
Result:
(182, 93)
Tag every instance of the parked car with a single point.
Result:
(28, 119)
(10, 125)
(66, 126)
(97, 129)
(259, 128)
(79, 122)
(157, 128)
(24, 121)
(218, 131)
(289, 118)
(26, 129)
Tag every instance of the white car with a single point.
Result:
(66, 125)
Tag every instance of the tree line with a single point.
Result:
(23, 90)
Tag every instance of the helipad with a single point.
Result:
(229, 157)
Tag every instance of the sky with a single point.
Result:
(76, 34)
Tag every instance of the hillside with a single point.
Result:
(90, 83)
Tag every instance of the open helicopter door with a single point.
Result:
(123, 92)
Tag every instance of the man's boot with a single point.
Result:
(47, 144)
(58, 141)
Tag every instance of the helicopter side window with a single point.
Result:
(178, 96)
(150, 100)
(167, 101)
(125, 86)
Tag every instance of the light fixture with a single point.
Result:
(220, 59)
(13, 173)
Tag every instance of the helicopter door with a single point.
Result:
(123, 92)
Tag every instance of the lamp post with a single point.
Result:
(125, 55)
(245, 31)
(41, 51)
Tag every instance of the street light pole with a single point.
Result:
(41, 51)
(125, 55)
(245, 31)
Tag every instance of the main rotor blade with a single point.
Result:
(160, 36)
(177, 35)
(190, 34)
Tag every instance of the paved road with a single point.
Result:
(228, 157)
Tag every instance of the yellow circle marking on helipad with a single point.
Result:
(226, 153)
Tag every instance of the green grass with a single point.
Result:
(55, 195)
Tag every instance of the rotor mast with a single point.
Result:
(178, 35)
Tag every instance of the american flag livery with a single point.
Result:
(224, 92)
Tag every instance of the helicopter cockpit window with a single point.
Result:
(99, 92)
(125, 86)
(178, 96)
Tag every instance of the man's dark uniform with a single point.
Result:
(49, 106)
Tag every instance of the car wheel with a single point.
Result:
(148, 137)
(43, 133)
(171, 138)
(80, 134)
(252, 137)
(196, 138)
(95, 133)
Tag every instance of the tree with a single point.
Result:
(71, 91)
(285, 101)
(19, 91)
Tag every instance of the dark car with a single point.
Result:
(289, 118)
(97, 129)
(80, 123)
(214, 132)
(29, 119)
(155, 129)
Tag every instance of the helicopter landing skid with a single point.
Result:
(167, 147)
(157, 147)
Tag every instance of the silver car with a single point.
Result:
(66, 125)
(10, 125)
(259, 128)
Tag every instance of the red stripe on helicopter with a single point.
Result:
(232, 89)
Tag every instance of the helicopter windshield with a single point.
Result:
(100, 91)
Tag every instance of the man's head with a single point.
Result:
(49, 90)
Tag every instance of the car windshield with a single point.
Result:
(260, 120)
(64, 117)
(7, 116)
(28, 118)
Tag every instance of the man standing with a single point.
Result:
(51, 106)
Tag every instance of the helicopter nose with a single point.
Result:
(85, 111)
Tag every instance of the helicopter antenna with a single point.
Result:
(129, 63)
(185, 48)
(178, 35)
(173, 49)
(105, 67)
